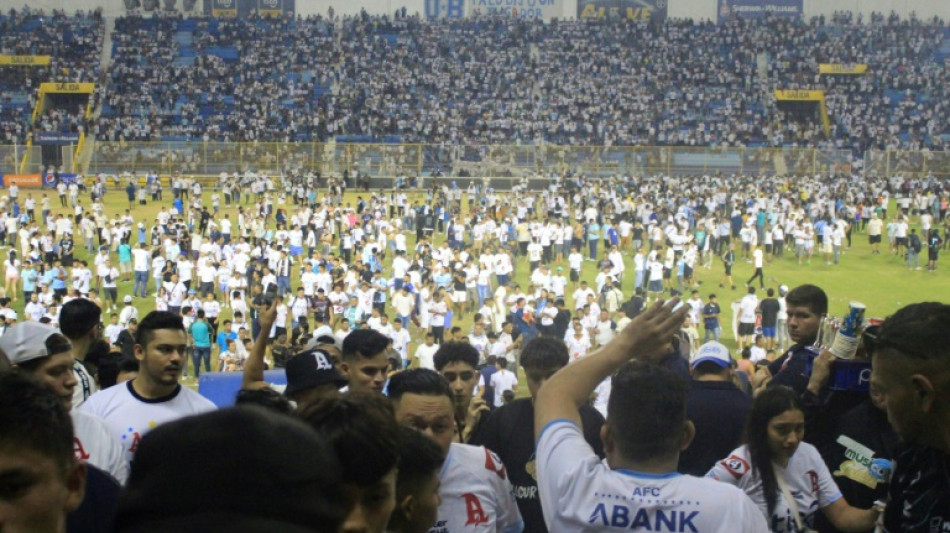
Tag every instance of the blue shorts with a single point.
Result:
(768, 333)
(296, 250)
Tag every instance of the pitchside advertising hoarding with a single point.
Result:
(622, 9)
(759, 8)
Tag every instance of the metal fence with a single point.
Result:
(10, 158)
(387, 160)
(910, 164)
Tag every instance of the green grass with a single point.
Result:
(882, 282)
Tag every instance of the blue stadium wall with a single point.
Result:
(696, 9)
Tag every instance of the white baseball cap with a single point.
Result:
(27, 341)
(714, 352)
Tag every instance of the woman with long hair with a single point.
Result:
(785, 476)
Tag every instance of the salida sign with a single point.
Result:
(622, 9)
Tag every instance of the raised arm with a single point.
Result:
(648, 335)
(253, 376)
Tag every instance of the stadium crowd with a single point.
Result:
(358, 299)
(74, 44)
(487, 80)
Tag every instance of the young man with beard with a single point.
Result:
(476, 493)
(154, 396)
(509, 430)
(457, 362)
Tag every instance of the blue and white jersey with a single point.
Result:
(581, 493)
(808, 479)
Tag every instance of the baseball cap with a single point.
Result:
(127, 299)
(310, 369)
(29, 340)
(714, 352)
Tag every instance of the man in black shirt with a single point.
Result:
(716, 407)
(509, 431)
(911, 372)
(769, 307)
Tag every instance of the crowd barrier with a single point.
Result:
(375, 160)
(222, 387)
(383, 162)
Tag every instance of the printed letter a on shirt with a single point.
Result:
(473, 507)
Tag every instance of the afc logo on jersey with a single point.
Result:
(735, 465)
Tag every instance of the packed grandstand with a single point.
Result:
(483, 80)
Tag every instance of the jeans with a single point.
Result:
(482, 294)
(201, 354)
(141, 279)
(913, 259)
(715, 333)
(593, 247)
(283, 284)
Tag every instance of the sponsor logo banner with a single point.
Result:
(49, 180)
(55, 138)
(23, 180)
(270, 8)
(622, 9)
(760, 8)
(224, 8)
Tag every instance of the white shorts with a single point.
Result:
(459, 297)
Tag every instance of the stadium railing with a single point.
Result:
(390, 160)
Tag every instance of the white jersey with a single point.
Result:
(130, 417)
(579, 492)
(95, 444)
(476, 493)
(807, 477)
(85, 384)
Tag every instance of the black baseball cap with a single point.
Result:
(310, 369)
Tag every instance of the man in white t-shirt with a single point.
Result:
(503, 380)
(140, 261)
(637, 487)
(425, 353)
(154, 397)
(42, 351)
(476, 493)
(747, 306)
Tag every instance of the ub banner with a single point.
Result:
(224, 8)
(445, 9)
(622, 9)
(529, 9)
(759, 8)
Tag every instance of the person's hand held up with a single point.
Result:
(650, 335)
